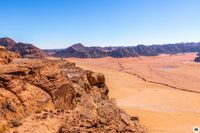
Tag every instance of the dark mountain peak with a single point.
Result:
(8, 43)
(80, 51)
(79, 47)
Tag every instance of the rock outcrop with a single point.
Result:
(7, 56)
(28, 50)
(8, 43)
(41, 95)
(197, 59)
(24, 49)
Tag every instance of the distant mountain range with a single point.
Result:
(80, 51)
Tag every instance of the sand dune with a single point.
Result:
(169, 103)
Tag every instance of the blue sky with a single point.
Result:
(61, 23)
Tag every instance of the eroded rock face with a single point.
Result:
(8, 43)
(7, 56)
(56, 96)
(28, 50)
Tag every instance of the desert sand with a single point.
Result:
(164, 91)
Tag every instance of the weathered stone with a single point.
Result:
(7, 56)
(56, 94)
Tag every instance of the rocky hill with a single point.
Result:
(8, 43)
(24, 49)
(55, 96)
(76, 50)
(80, 51)
(28, 50)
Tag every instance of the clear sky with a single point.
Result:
(60, 23)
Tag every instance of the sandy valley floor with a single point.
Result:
(164, 91)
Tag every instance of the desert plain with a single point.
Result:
(163, 91)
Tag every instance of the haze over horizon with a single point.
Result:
(59, 24)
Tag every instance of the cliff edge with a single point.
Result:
(55, 96)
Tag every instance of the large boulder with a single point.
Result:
(197, 59)
(95, 78)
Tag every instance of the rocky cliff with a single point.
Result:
(55, 96)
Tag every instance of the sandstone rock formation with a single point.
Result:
(8, 43)
(7, 56)
(28, 50)
(55, 96)
(24, 49)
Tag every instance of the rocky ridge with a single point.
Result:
(28, 50)
(24, 49)
(41, 95)
(80, 51)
